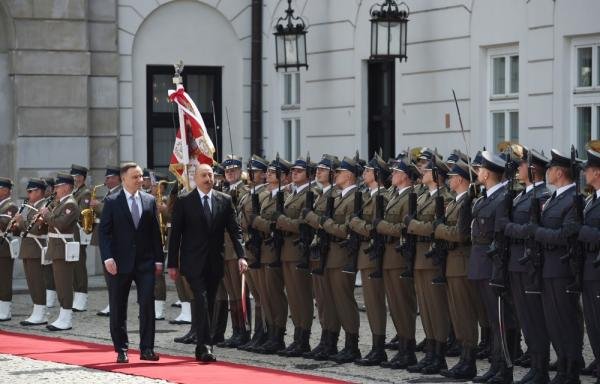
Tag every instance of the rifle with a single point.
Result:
(352, 242)
(12, 222)
(255, 239)
(377, 248)
(576, 254)
(408, 247)
(306, 231)
(439, 250)
(276, 240)
(534, 252)
(321, 248)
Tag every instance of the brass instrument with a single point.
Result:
(50, 203)
(88, 216)
(161, 222)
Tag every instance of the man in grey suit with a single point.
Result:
(562, 310)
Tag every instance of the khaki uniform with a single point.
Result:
(98, 211)
(340, 284)
(297, 281)
(160, 282)
(373, 289)
(64, 218)
(463, 298)
(7, 212)
(82, 196)
(432, 299)
(400, 293)
(275, 299)
(31, 253)
(328, 316)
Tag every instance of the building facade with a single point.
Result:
(85, 81)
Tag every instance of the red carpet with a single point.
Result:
(178, 369)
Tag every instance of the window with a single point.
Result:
(291, 138)
(291, 90)
(503, 95)
(586, 92)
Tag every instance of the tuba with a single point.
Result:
(88, 216)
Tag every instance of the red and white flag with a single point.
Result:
(195, 139)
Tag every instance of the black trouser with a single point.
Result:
(118, 294)
(530, 312)
(591, 312)
(205, 290)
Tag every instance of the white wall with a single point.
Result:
(6, 105)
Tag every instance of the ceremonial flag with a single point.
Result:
(192, 144)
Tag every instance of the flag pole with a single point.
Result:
(178, 81)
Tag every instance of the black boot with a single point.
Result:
(302, 344)
(350, 352)
(491, 372)
(483, 349)
(267, 335)
(330, 349)
(503, 376)
(453, 345)
(259, 332)
(322, 343)
(561, 372)
(466, 368)
(392, 344)
(525, 360)
(405, 356)
(219, 320)
(590, 370)
(429, 350)
(275, 342)
(377, 354)
(573, 369)
(538, 373)
(439, 360)
(420, 347)
(190, 337)
(284, 351)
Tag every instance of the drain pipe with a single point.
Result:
(256, 135)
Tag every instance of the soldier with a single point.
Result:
(400, 292)
(562, 310)
(328, 317)
(82, 195)
(253, 240)
(462, 295)
(7, 212)
(232, 279)
(274, 297)
(62, 226)
(159, 189)
(112, 181)
(31, 252)
(373, 287)
(340, 284)
(488, 213)
(146, 181)
(528, 305)
(51, 299)
(432, 298)
(590, 235)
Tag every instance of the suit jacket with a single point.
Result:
(557, 225)
(119, 239)
(589, 234)
(200, 245)
(521, 216)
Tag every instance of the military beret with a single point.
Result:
(232, 161)
(78, 170)
(6, 183)
(63, 178)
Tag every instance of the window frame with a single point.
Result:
(295, 144)
(295, 92)
(507, 53)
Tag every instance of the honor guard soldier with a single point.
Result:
(51, 298)
(232, 279)
(146, 180)
(82, 195)
(488, 212)
(296, 279)
(557, 232)
(340, 284)
(369, 260)
(328, 317)
(432, 298)
(399, 291)
(590, 236)
(527, 299)
(275, 298)
(250, 205)
(8, 209)
(61, 218)
(112, 182)
(159, 191)
(463, 299)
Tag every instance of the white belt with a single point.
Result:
(60, 235)
(96, 221)
(168, 225)
(44, 237)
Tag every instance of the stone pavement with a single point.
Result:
(89, 327)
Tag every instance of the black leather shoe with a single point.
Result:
(425, 361)
(103, 314)
(350, 352)
(316, 350)
(392, 344)
(377, 355)
(494, 368)
(185, 339)
(590, 370)
(204, 354)
(122, 358)
(438, 362)
(330, 348)
(148, 354)
(465, 369)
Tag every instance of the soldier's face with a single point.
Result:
(427, 177)
(257, 176)
(132, 179)
(322, 175)
(272, 176)
(523, 173)
(112, 181)
(146, 183)
(4, 193)
(368, 176)
(592, 176)
(299, 176)
(232, 175)
(35, 195)
(62, 190)
(399, 178)
(79, 180)
(551, 175)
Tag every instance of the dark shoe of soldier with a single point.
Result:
(302, 344)
(425, 361)
(274, 344)
(525, 360)
(439, 360)
(561, 372)
(538, 373)
(231, 341)
(491, 372)
(350, 352)
(268, 333)
(377, 354)
(573, 369)
(421, 346)
(330, 348)
(483, 349)
(465, 369)
(311, 354)
(453, 345)
(188, 336)
(503, 376)
(283, 352)
(405, 356)
(590, 370)
(258, 334)
(392, 344)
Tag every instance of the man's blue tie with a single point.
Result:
(135, 212)
(207, 212)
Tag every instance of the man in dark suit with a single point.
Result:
(131, 251)
(200, 220)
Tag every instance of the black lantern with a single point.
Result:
(388, 30)
(290, 41)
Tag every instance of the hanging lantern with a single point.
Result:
(388, 30)
(290, 41)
